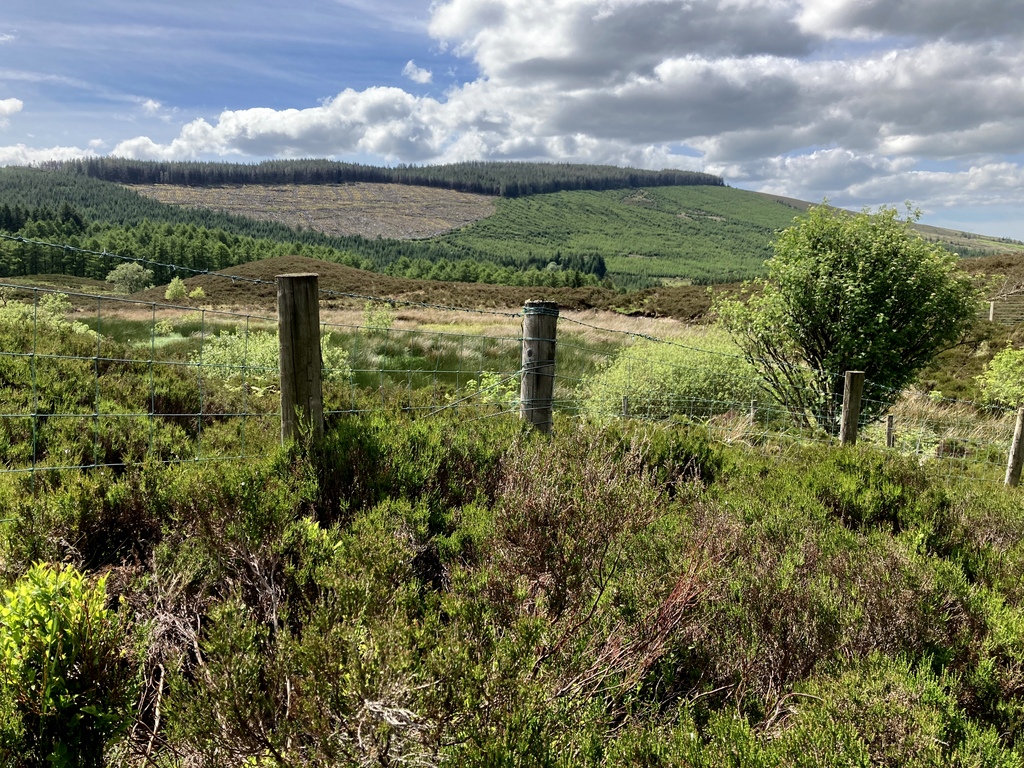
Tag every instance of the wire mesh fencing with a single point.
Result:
(101, 380)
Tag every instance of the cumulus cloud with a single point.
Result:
(19, 154)
(947, 19)
(417, 74)
(9, 107)
(845, 98)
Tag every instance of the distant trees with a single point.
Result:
(509, 179)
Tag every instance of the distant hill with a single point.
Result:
(682, 302)
(635, 237)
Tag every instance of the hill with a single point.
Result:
(394, 211)
(638, 237)
(254, 287)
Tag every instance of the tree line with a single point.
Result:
(95, 248)
(505, 179)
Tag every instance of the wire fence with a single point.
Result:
(94, 380)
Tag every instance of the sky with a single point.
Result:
(861, 102)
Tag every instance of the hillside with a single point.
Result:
(369, 210)
(681, 302)
(637, 237)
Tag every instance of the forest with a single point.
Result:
(506, 179)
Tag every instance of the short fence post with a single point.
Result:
(625, 406)
(852, 391)
(536, 392)
(298, 334)
(1016, 452)
(991, 311)
(890, 431)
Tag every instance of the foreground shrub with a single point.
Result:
(661, 379)
(1002, 381)
(66, 682)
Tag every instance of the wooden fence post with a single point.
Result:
(1016, 452)
(536, 392)
(991, 311)
(890, 431)
(852, 391)
(298, 334)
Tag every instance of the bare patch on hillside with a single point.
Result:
(371, 210)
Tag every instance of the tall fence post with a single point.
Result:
(298, 334)
(1016, 452)
(536, 392)
(890, 431)
(853, 389)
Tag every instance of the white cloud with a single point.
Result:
(9, 107)
(854, 99)
(19, 154)
(417, 74)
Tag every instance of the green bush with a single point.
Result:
(664, 379)
(176, 290)
(1002, 381)
(130, 277)
(252, 358)
(66, 680)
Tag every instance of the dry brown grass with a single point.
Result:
(371, 210)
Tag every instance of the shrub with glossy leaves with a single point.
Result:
(66, 682)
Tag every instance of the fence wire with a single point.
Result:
(90, 381)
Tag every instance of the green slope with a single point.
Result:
(700, 234)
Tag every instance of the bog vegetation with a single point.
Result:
(419, 588)
(443, 592)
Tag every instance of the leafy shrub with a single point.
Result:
(1002, 381)
(378, 317)
(662, 379)
(252, 358)
(64, 672)
(49, 312)
(176, 290)
(130, 277)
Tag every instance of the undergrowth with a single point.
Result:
(424, 591)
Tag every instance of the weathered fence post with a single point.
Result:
(536, 393)
(852, 391)
(625, 406)
(298, 334)
(890, 431)
(1016, 452)
(991, 311)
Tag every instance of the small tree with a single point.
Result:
(849, 292)
(176, 290)
(130, 277)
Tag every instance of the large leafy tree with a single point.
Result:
(849, 292)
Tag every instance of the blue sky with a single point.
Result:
(865, 102)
